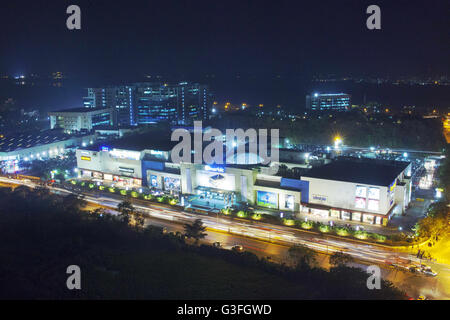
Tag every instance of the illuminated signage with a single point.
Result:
(373, 205)
(392, 186)
(125, 154)
(214, 169)
(319, 198)
(128, 170)
(361, 191)
(267, 199)
(85, 158)
(105, 148)
(360, 203)
(374, 193)
(156, 153)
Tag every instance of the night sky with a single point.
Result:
(122, 39)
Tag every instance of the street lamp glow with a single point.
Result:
(337, 142)
(405, 155)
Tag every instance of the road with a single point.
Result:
(269, 240)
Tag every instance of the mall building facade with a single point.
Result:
(368, 191)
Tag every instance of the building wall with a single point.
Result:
(49, 150)
(282, 196)
(333, 102)
(341, 194)
(76, 121)
(103, 161)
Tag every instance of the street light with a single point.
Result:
(337, 142)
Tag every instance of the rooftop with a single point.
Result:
(9, 143)
(137, 142)
(79, 110)
(364, 171)
(274, 184)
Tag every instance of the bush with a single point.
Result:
(289, 222)
(241, 214)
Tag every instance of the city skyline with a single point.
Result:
(195, 153)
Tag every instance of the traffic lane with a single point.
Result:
(415, 284)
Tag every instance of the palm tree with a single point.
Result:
(195, 230)
(126, 209)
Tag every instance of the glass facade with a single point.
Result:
(328, 102)
(147, 102)
(101, 119)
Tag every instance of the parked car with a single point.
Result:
(217, 244)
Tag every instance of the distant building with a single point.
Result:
(38, 146)
(78, 119)
(148, 102)
(120, 98)
(328, 102)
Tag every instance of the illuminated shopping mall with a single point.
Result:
(364, 190)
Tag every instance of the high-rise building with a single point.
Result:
(120, 98)
(148, 102)
(78, 119)
(328, 102)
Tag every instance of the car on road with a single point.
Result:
(237, 248)
(422, 298)
(413, 269)
(427, 271)
(217, 244)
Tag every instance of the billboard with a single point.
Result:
(361, 191)
(267, 199)
(374, 193)
(360, 203)
(373, 205)
(171, 183)
(222, 181)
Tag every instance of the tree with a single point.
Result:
(340, 259)
(302, 256)
(73, 202)
(195, 230)
(139, 220)
(126, 209)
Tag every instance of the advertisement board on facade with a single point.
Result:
(267, 199)
(171, 183)
(216, 180)
(361, 191)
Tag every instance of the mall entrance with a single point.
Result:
(212, 198)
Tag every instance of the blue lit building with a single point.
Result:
(147, 102)
(328, 102)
